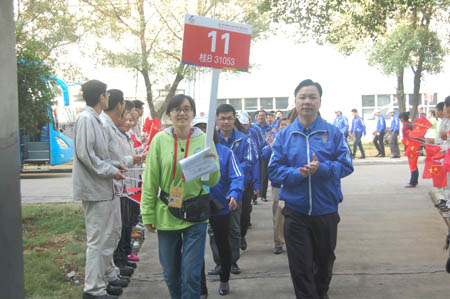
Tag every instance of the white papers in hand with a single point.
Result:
(197, 165)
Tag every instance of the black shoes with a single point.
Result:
(89, 296)
(362, 157)
(215, 271)
(235, 269)
(277, 250)
(440, 203)
(264, 199)
(119, 282)
(224, 288)
(114, 291)
(243, 243)
(126, 271)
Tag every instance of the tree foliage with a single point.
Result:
(48, 27)
(401, 31)
(151, 33)
(35, 90)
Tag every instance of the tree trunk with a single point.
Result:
(417, 81)
(401, 92)
(148, 88)
(173, 88)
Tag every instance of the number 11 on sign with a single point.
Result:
(225, 36)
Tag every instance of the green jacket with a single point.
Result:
(158, 175)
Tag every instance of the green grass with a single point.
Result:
(371, 151)
(54, 244)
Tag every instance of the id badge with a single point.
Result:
(176, 197)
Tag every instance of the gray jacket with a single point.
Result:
(93, 170)
(116, 148)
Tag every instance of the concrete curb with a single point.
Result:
(383, 161)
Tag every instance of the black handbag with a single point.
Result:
(195, 209)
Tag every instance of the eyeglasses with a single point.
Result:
(184, 109)
(229, 118)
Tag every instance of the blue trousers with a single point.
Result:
(181, 254)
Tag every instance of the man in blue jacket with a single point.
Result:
(243, 149)
(378, 139)
(309, 158)
(341, 122)
(357, 130)
(394, 129)
(264, 177)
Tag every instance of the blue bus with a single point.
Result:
(50, 147)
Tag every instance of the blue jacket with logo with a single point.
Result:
(358, 126)
(395, 123)
(243, 149)
(342, 123)
(319, 194)
(231, 182)
(381, 124)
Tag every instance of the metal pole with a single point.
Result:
(212, 111)
(11, 253)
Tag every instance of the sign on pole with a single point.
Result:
(217, 44)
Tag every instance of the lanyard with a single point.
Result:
(175, 155)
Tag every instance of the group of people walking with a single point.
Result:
(303, 157)
(358, 129)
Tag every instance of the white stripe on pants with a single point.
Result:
(103, 228)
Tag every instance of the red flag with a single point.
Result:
(432, 150)
(439, 176)
(147, 125)
(427, 171)
(135, 194)
(135, 141)
(412, 147)
(433, 154)
(447, 161)
(420, 127)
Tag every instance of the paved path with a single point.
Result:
(389, 242)
(46, 187)
(389, 246)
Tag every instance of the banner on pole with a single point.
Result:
(216, 43)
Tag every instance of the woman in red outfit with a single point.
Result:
(407, 127)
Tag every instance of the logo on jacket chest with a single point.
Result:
(324, 137)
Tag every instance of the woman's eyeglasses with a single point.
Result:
(184, 109)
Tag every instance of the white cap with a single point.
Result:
(243, 117)
(390, 110)
(200, 119)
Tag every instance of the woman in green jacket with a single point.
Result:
(181, 243)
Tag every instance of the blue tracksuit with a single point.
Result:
(395, 123)
(264, 128)
(319, 194)
(263, 149)
(381, 124)
(358, 126)
(231, 182)
(342, 123)
(243, 149)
